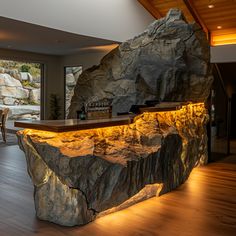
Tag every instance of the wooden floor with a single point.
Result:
(204, 205)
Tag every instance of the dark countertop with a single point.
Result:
(74, 125)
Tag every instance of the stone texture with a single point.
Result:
(22, 112)
(7, 80)
(17, 96)
(14, 92)
(2, 70)
(25, 76)
(37, 79)
(81, 175)
(70, 80)
(77, 71)
(169, 62)
(15, 74)
(11, 89)
(34, 96)
(72, 75)
(22, 93)
(9, 101)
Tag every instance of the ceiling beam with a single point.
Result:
(191, 8)
(150, 8)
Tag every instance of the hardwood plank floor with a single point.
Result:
(204, 205)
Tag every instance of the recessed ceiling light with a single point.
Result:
(219, 27)
(211, 6)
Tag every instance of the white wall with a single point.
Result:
(116, 20)
(85, 60)
(222, 54)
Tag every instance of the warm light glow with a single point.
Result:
(5, 35)
(81, 143)
(211, 6)
(219, 27)
(100, 48)
(223, 39)
(150, 190)
(120, 144)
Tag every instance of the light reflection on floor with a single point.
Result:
(195, 207)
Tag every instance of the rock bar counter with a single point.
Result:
(94, 169)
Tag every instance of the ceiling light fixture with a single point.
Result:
(219, 27)
(210, 4)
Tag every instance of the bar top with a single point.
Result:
(74, 125)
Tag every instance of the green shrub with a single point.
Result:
(34, 103)
(25, 68)
(26, 83)
(34, 71)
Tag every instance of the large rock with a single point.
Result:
(22, 93)
(7, 80)
(37, 79)
(81, 175)
(21, 111)
(14, 92)
(34, 96)
(26, 76)
(169, 62)
(77, 71)
(9, 101)
(15, 74)
(2, 70)
(70, 80)
(11, 89)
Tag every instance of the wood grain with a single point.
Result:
(223, 14)
(149, 7)
(205, 205)
(73, 125)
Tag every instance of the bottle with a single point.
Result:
(83, 113)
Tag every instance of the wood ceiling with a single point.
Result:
(217, 17)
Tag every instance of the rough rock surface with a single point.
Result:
(11, 88)
(25, 76)
(9, 81)
(23, 112)
(34, 96)
(19, 95)
(169, 61)
(72, 75)
(81, 175)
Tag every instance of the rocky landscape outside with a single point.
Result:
(72, 75)
(20, 89)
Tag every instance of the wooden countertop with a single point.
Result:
(73, 124)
